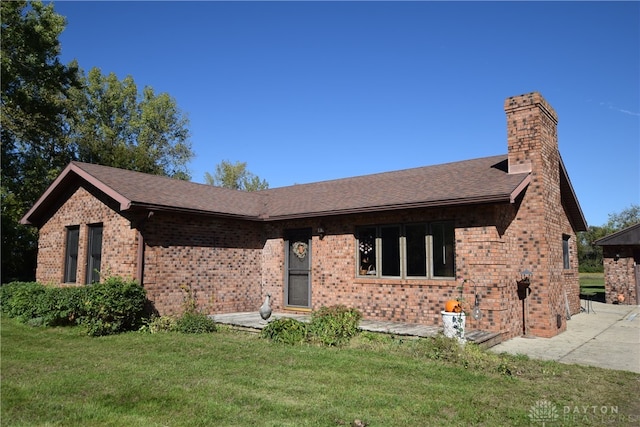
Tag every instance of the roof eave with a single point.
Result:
(610, 240)
(520, 188)
(71, 169)
(578, 221)
(174, 209)
(501, 198)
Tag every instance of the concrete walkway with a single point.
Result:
(252, 321)
(608, 336)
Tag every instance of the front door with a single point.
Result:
(298, 268)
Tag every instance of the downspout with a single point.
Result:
(140, 272)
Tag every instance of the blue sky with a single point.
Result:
(311, 91)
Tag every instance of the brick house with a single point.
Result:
(621, 256)
(394, 245)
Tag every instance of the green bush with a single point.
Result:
(114, 306)
(195, 323)
(36, 304)
(19, 299)
(285, 330)
(104, 308)
(159, 324)
(61, 306)
(335, 325)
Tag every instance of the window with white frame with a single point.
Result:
(407, 250)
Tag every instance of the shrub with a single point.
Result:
(195, 323)
(61, 306)
(335, 325)
(114, 306)
(38, 305)
(19, 299)
(159, 324)
(285, 330)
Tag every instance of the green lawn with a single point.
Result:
(593, 283)
(61, 377)
(592, 280)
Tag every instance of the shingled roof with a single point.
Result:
(483, 180)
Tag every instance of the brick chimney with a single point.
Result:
(532, 133)
(541, 221)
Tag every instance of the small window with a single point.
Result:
(94, 253)
(565, 251)
(71, 255)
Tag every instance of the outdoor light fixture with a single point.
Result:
(321, 232)
(616, 257)
(524, 289)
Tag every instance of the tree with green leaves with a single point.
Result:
(112, 124)
(589, 254)
(34, 105)
(53, 114)
(235, 176)
(621, 220)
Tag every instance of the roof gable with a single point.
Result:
(135, 190)
(630, 236)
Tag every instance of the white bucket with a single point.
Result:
(453, 324)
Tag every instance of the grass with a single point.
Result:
(61, 377)
(592, 280)
(593, 283)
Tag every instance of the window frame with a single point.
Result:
(404, 249)
(71, 253)
(566, 252)
(94, 262)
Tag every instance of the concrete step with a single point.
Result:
(484, 339)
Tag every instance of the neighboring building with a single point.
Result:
(394, 245)
(621, 254)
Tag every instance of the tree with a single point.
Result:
(624, 219)
(589, 254)
(53, 114)
(235, 176)
(112, 124)
(34, 93)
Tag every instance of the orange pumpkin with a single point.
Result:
(453, 306)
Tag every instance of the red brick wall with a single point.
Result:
(620, 274)
(218, 259)
(119, 241)
(491, 252)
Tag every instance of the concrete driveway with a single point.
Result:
(608, 336)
